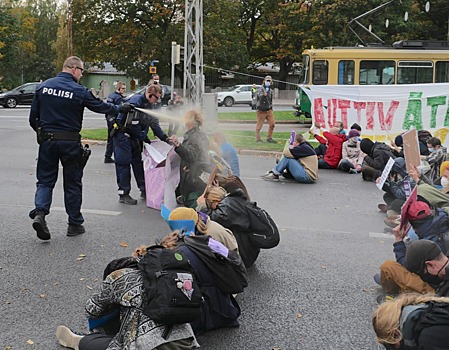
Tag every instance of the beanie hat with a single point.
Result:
(418, 210)
(353, 133)
(184, 214)
(418, 252)
(366, 145)
(357, 127)
(398, 141)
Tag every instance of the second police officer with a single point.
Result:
(56, 115)
(131, 132)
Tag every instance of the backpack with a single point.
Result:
(171, 291)
(263, 104)
(264, 232)
(227, 267)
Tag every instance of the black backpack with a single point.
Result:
(263, 104)
(172, 294)
(228, 271)
(264, 232)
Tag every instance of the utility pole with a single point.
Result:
(193, 87)
(69, 28)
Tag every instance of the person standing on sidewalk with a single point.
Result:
(115, 98)
(264, 107)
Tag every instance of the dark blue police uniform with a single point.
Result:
(57, 108)
(128, 144)
(116, 99)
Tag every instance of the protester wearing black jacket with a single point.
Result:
(377, 156)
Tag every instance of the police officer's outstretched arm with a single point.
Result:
(97, 105)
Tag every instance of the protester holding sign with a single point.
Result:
(377, 156)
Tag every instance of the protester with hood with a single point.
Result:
(413, 321)
(352, 155)
(334, 141)
(377, 156)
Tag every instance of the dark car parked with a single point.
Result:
(22, 95)
(165, 95)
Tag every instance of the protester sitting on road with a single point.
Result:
(231, 183)
(393, 277)
(352, 156)
(205, 226)
(334, 142)
(228, 152)
(413, 321)
(357, 127)
(396, 146)
(377, 156)
(195, 161)
(437, 156)
(124, 287)
(229, 210)
(299, 161)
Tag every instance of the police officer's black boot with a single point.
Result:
(75, 230)
(40, 225)
(127, 199)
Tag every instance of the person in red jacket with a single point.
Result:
(334, 142)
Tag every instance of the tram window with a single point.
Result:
(320, 72)
(346, 72)
(376, 73)
(415, 72)
(442, 72)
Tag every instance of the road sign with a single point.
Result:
(153, 69)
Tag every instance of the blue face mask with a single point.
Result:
(430, 149)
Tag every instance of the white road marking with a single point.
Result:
(92, 211)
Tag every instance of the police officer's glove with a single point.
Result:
(147, 140)
(126, 108)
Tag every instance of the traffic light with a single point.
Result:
(153, 70)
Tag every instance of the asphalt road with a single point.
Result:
(314, 291)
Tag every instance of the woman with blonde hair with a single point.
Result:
(195, 162)
(413, 321)
(229, 210)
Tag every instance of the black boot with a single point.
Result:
(40, 225)
(75, 230)
(127, 199)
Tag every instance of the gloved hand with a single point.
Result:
(126, 108)
(147, 140)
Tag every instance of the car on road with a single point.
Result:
(165, 96)
(21, 95)
(237, 94)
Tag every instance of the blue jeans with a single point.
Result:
(294, 167)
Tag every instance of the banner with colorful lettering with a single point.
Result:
(383, 111)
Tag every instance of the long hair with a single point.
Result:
(387, 316)
(170, 241)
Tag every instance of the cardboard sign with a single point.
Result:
(405, 224)
(411, 149)
(385, 173)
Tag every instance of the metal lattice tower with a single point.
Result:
(193, 52)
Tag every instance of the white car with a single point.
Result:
(237, 94)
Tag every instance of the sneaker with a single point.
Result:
(75, 230)
(127, 199)
(40, 226)
(67, 338)
(382, 207)
(108, 160)
(377, 278)
(270, 176)
(392, 222)
(271, 141)
(259, 141)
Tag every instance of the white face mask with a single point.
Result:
(444, 181)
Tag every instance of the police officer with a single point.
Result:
(115, 98)
(133, 130)
(56, 115)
